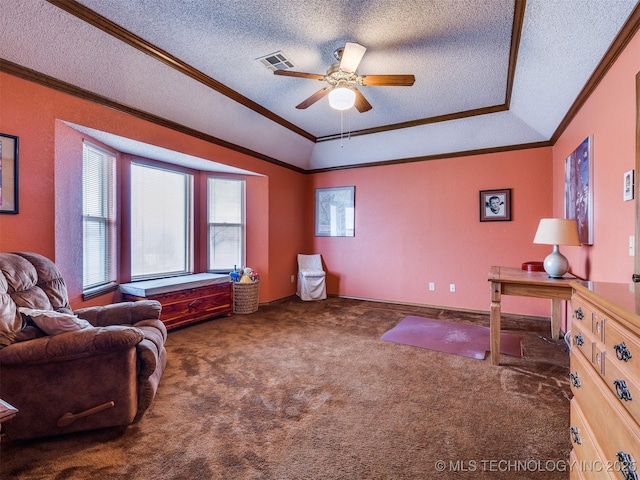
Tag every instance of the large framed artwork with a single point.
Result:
(8, 173)
(495, 205)
(578, 189)
(335, 212)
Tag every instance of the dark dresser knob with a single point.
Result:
(622, 352)
(575, 381)
(621, 390)
(627, 466)
(575, 436)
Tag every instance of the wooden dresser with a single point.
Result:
(605, 381)
(185, 299)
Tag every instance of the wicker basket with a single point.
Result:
(246, 297)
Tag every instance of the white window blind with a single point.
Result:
(160, 221)
(98, 217)
(226, 223)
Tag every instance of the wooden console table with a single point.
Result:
(515, 281)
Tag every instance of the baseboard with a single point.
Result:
(442, 307)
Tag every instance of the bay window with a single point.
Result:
(161, 225)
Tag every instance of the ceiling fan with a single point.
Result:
(343, 78)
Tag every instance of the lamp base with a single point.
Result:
(556, 264)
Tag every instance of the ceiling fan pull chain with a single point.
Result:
(342, 126)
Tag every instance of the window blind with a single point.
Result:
(98, 216)
(226, 223)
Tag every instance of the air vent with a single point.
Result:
(276, 61)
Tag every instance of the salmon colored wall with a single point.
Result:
(36, 170)
(417, 223)
(395, 205)
(610, 116)
(285, 235)
(49, 186)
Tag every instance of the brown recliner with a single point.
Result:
(103, 375)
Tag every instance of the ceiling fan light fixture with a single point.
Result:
(342, 98)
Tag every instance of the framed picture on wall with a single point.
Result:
(335, 212)
(495, 205)
(578, 189)
(8, 173)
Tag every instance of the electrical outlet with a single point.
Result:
(293, 278)
(452, 287)
(432, 286)
(632, 246)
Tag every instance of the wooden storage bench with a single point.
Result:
(185, 299)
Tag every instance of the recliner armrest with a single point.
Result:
(71, 345)
(124, 313)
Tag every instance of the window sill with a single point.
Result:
(99, 290)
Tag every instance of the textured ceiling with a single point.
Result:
(209, 80)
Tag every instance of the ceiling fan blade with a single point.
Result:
(388, 80)
(289, 73)
(362, 105)
(314, 98)
(351, 57)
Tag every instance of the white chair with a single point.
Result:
(311, 278)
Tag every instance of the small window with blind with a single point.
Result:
(226, 223)
(161, 226)
(98, 218)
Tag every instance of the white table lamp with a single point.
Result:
(556, 232)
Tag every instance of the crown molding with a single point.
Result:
(47, 81)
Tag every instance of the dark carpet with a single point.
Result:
(307, 390)
(457, 338)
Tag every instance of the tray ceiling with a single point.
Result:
(489, 73)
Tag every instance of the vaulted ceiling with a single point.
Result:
(489, 74)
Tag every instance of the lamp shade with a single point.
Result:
(342, 98)
(557, 231)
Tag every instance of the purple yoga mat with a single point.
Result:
(450, 337)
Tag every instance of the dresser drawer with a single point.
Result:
(586, 461)
(581, 312)
(575, 473)
(622, 348)
(588, 316)
(608, 421)
(582, 339)
(623, 386)
(582, 376)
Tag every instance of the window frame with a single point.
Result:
(189, 177)
(108, 218)
(242, 224)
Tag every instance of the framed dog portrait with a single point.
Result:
(495, 205)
